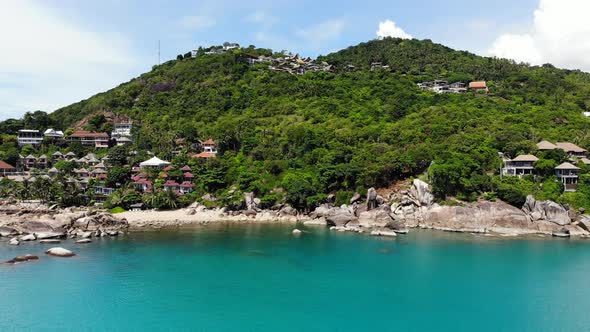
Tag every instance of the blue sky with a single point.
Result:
(62, 51)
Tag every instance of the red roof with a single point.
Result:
(102, 176)
(203, 155)
(167, 168)
(210, 141)
(188, 175)
(163, 175)
(186, 168)
(82, 134)
(478, 85)
(187, 184)
(5, 165)
(171, 183)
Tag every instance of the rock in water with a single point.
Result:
(20, 259)
(14, 242)
(84, 241)
(297, 232)
(383, 233)
(60, 252)
(29, 237)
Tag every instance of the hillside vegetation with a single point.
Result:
(301, 138)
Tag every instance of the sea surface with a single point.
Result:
(261, 278)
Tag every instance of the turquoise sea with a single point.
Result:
(261, 278)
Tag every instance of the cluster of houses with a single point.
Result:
(442, 87)
(292, 64)
(141, 182)
(566, 173)
(121, 135)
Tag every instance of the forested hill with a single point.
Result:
(353, 129)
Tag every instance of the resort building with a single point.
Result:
(88, 138)
(572, 150)
(442, 87)
(568, 175)
(480, 86)
(209, 150)
(53, 134)
(29, 137)
(154, 163)
(520, 166)
(122, 132)
(6, 168)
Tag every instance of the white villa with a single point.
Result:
(29, 137)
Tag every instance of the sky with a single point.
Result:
(57, 52)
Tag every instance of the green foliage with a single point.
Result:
(117, 209)
(323, 133)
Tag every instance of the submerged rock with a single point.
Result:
(296, 232)
(383, 233)
(20, 259)
(60, 252)
(50, 241)
(14, 242)
(83, 241)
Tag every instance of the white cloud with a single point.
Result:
(196, 22)
(388, 28)
(322, 32)
(559, 35)
(47, 62)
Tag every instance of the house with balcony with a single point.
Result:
(54, 135)
(29, 137)
(520, 166)
(568, 175)
(6, 168)
(572, 150)
(90, 138)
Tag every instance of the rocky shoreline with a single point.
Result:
(375, 215)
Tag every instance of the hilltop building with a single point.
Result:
(480, 86)
(90, 138)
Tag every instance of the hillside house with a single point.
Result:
(122, 132)
(6, 168)
(89, 138)
(57, 156)
(154, 163)
(480, 86)
(29, 137)
(568, 175)
(52, 134)
(520, 166)
(572, 150)
(230, 46)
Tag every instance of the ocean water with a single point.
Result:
(261, 278)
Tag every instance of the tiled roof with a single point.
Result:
(566, 166)
(526, 157)
(570, 147)
(5, 165)
(82, 134)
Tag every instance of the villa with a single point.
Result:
(6, 169)
(479, 86)
(53, 134)
(29, 137)
(89, 138)
(520, 166)
(572, 150)
(568, 175)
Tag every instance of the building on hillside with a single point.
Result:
(480, 86)
(442, 87)
(89, 138)
(122, 132)
(230, 46)
(30, 161)
(154, 163)
(546, 146)
(53, 134)
(53, 172)
(572, 150)
(568, 175)
(209, 146)
(520, 166)
(57, 156)
(42, 162)
(6, 169)
(70, 156)
(29, 137)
